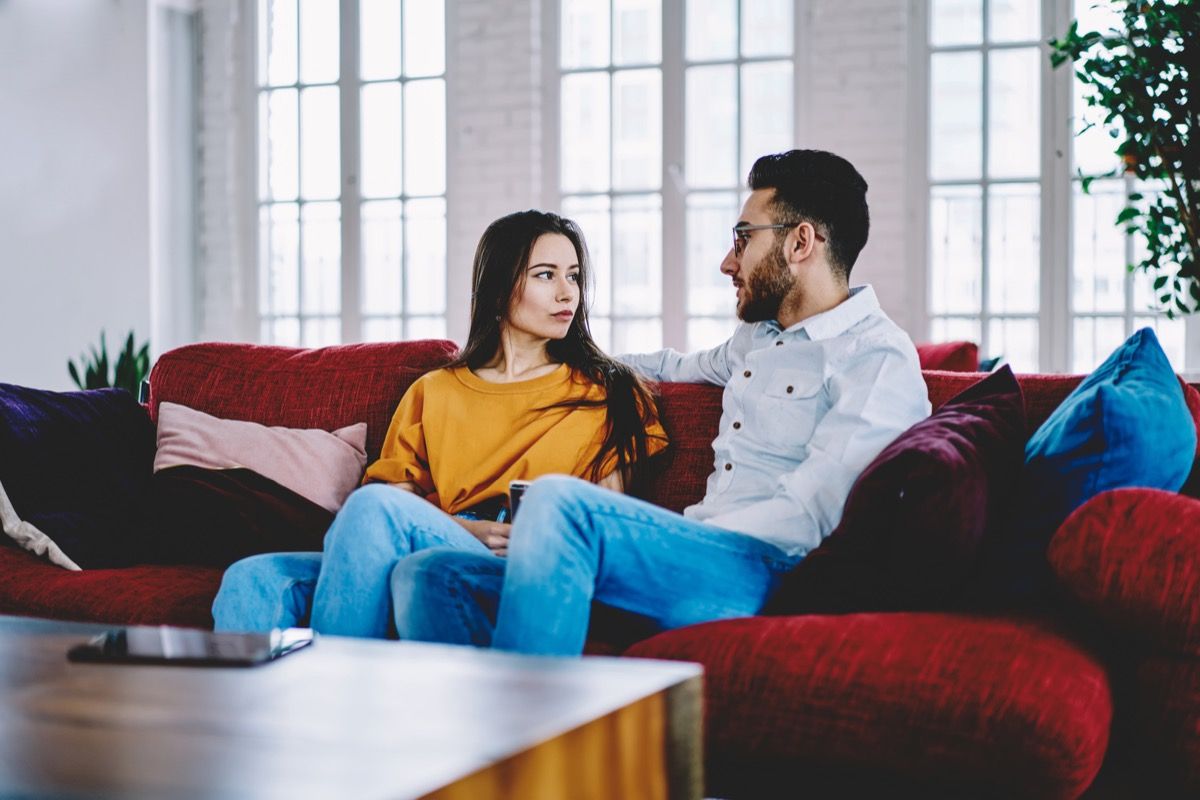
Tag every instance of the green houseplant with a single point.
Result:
(1142, 79)
(131, 369)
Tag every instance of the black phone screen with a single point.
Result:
(186, 646)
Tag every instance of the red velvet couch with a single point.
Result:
(940, 704)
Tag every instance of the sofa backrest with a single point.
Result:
(328, 387)
(335, 386)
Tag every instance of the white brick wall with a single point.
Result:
(494, 84)
(857, 105)
(222, 262)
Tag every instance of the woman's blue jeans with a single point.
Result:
(346, 590)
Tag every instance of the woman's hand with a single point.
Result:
(494, 535)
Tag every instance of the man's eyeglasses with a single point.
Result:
(741, 234)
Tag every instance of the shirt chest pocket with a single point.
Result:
(791, 403)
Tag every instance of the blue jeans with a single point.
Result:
(573, 543)
(347, 587)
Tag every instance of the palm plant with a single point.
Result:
(130, 370)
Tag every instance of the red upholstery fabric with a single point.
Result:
(691, 414)
(949, 356)
(326, 388)
(141, 595)
(1132, 556)
(1166, 705)
(997, 703)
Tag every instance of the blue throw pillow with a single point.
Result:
(1127, 424)
(75, 470)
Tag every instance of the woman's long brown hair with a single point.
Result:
(498, 276)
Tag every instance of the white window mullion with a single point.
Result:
(674, 223)
(985, 194)
(1055, 329)
(349, 87)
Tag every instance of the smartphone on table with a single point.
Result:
(190, 647)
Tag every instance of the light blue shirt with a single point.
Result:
(804, 411)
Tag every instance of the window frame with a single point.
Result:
(1056, 315)
(349, 199)
(673, 190)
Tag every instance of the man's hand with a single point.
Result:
(494, 535)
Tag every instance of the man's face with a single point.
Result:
(760, 272)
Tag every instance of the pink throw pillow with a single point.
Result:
(322, 466)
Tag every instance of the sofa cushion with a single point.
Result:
(950, 356)
(138, 595)
(75, 466)
(691, 415)
(321, 466)
(913, 521)
(328, 388)
(1132, 557)
(929, 698)
(1126, 424)
(216, 517)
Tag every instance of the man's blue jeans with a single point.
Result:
(347, 588)
(573, 543)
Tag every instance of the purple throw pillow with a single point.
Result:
(915, 519)
(76, 467)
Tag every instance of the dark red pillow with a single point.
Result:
(914, 520)
(213, 517)
(949, 356)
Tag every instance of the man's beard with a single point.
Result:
(768, 285)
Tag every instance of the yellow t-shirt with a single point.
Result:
(462, 439)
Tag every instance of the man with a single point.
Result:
(817, 382)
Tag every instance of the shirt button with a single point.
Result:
(728, 467)
(791, 389)
(778, 342)
(746, 374)
(737, 426)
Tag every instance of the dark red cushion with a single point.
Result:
(214, 517)
(915, 518)
(931, 698)
(1132, 556)
(140, 595)
(1166, 708)
(328, 388)
(949, 356)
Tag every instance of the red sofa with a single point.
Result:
(941, 704)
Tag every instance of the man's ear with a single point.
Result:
(800, 242)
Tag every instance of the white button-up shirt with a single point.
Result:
(803, 412)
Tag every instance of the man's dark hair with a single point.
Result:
(821, 188)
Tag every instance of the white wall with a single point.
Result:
(74, 182)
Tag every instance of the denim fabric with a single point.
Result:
(448, 596)
(271, 590)
(348, 586)
(573, 543)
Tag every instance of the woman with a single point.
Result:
(531, 394)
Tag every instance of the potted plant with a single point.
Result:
(1142, 78)
(130, 370)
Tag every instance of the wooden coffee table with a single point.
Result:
(345, 718)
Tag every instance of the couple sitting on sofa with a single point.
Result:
(817, 382)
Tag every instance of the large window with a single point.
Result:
(352, 170)
(656, 184)
(1007, 214)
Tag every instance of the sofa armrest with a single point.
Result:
(1132, 556)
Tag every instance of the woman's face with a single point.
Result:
(548, 293)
